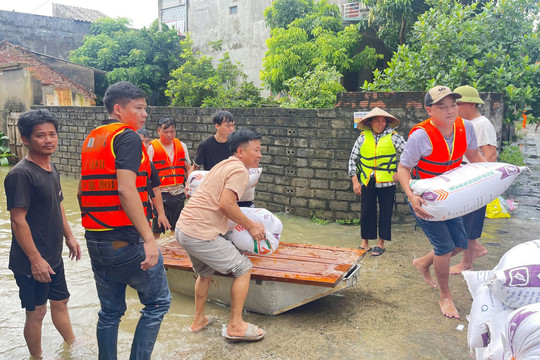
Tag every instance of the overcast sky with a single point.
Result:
(140, 12)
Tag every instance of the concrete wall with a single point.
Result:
(43, 34)
(305, 151)
(244, 34)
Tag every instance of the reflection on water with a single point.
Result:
(174, 341)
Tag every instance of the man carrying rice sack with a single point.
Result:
(435, 146)
(201, 227)
(486, 138)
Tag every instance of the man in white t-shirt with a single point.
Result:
(486, 138)
(201, 227)
(170, 156)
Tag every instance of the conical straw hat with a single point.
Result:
(363, 125)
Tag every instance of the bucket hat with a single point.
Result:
(363, 124)
(468, 95)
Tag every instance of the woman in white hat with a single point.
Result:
(372, 168)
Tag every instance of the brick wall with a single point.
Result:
(305, 151)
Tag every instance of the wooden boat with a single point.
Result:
(294, 275)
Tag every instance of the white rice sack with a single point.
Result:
(249, 194)
(484, 308)
(495, 326)
(521, 336)
(479, 353)
(465, 189)
(194, 180)
(516, 279)
(241, 238)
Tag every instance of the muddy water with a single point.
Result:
(390, 314)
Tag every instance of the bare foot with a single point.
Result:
(478, 252)
(448, 308)
(202, 324)
(425, 273)
(458, 268)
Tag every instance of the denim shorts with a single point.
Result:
(444, 236)
(474, 223)
(34, 293)
(208, 256)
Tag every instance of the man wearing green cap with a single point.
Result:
(486, 138)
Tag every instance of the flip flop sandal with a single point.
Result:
(363, 248)
(377, 251)
(251, 334)
(211, 320)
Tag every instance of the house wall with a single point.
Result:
(305, 151)
(244, 33)
(43, 34)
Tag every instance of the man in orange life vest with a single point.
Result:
(171, 158)
(112, 195)
(435, 146)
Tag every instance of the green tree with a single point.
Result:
(296, 47)
(316, 89)
(144, 57)
(393, 19)
(198, 83)
(493, 49)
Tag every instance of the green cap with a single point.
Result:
(468, 95)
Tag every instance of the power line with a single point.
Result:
(31, 12)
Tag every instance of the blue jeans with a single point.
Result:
(114, 269)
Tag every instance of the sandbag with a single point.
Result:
(194, 180)
(521, 335)
(196, 177)
(495, 327)
(485, 306)
(254, 174)
(241, 238)
(465, 189)
(516, 278)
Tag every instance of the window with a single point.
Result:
(233, 10)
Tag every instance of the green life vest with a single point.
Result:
(379, 158)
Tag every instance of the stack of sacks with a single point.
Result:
(243, 240)
(196, 178)
(512, 284)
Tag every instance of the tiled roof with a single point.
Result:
(15, 56)
(76, 13)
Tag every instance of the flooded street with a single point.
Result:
(390, 314)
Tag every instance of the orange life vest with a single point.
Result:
(100, 203)
(440, 160)
(169, 173)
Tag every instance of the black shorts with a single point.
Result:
(474, 223)
(34, 293)
(173, 206)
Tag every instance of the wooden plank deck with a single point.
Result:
(292, 263)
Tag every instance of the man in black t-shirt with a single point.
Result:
(215, 148)
(38, 223)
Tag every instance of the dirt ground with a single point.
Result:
(390, 314)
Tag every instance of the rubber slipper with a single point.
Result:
(251, 334)
(211, 320)
(363, 248)
(377, 251)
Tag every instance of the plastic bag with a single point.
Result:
(496, 209)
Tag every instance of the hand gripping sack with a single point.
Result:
(194, 180)
(465, 189)
(241, 238)
(516, 278)
(521, 335)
